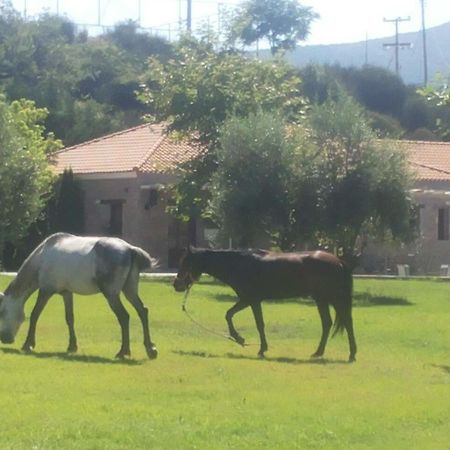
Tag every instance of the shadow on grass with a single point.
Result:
(283, 360)
(368, 299)
(360, 299)
(91, 359)
(446, 369)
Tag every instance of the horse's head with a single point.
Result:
(11, 317)
(188, 272)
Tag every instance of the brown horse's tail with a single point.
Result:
(343, 303)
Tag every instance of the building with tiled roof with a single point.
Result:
(124, 177)
(430, 161)
(430, 254)
(145, 149)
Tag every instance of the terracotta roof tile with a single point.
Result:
(168, 154)
(145, 148)
(430, 160)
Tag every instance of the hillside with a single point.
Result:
(411, 60)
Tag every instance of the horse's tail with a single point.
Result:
(343, 304)
(143, 260)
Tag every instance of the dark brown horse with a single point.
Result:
(260, 275)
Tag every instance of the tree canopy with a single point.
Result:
(25, 176)
(327, 182)
(197, 89)
(281, 22)
(87, 84)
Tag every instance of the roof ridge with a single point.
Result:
(430, 167)
(102, 138)
(151, 151)
(423, 142)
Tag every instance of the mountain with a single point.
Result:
(372, 52)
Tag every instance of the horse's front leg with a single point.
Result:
(257, 313)
(30, 341)
(68, 307)
(239, 306)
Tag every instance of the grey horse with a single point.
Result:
(66, 264)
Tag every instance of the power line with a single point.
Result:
(101, 7)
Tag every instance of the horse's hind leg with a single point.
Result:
(239, 306)
(68, 307)
(130, 291)
(124, 321)
(348, 323)
(325, 317)
(257, 313)
(30, 341)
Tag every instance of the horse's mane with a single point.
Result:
(243, 252)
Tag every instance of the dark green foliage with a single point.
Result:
(327, 183)
(249, 187)
(377, 89)
(197, 89)
(66, 210)
(48, 61)
(25, 175)
(137, 44)
(416, 113)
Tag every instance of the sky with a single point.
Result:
(340, 21)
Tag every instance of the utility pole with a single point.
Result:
(189, 16)
(397, 44)
(424, 45)
(99, 16)
(139, 21)
(366, 52)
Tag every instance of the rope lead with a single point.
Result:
(184, 309)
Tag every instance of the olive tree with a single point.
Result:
(328, 182)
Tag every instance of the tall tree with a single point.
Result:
(364, 187)
(197, 89)
(329, 182)
(25, 176)
(66, 209)
(249, 189)
(281, 22)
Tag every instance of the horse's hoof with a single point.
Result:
(72, 349)
(316, 355)
(27, 348)
(261, 355)
(240, 340)
(152, 353)
(352, 359)
(123, 355)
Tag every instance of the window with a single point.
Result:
(443, 222)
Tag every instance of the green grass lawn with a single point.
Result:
(208, 393)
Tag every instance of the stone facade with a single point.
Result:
(133, 206)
